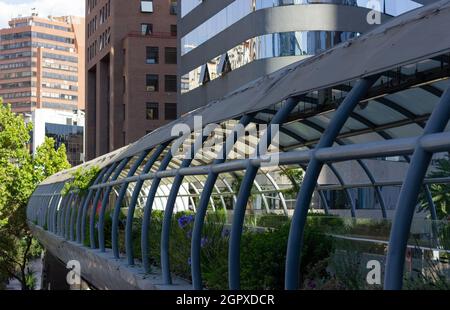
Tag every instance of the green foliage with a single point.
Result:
(48, 161)
(20, 173)
(439, 192)
(81, 181)
(272, 220)
(295, 176)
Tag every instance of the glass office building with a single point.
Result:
(226, 44)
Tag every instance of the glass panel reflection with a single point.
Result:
(296, 43)
(241, 8)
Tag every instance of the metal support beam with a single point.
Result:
(408, 197)
(312, 173)
(134, 199)
(245, 191)
(117, 207)
(101, 217)
(94, 205)
(82, 224)
(148, 212)
(204, 199)
(168, 212)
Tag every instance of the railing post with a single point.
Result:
(101, 218)
(310, 180)
(245, 191)
(407, 201)
(137, 189)
(116, 214)
(94, 206)
(204, 200)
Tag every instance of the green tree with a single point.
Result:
(439, 192)
(20, 173)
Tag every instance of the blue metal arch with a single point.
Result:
(244, 193)
(312, 173)
(408, 197)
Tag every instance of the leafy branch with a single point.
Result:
(81, 181)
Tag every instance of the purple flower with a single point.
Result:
(204, 242)
(185, 220)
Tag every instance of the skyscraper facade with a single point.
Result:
(226, 44)
(42, 63)
(131, 70)
(42, 72)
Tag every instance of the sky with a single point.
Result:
(12, 8)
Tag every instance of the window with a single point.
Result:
(171, 83)
(152, 111)
(146, 29)
(170, 111)
(152, 55)
(173, 7)
(152, 82)
(171, 55)
(146, 6)
(173, 30)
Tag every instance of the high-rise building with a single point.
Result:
(42, 72)
(226, 44)
(131, 70)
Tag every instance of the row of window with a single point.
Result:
(91, 4)
(100, 44)
(24, 104)
(105, 12)
(60, 57)
(17, 55)
(152, 83)
(18, 85)
(152, 111)
(38, 35)
(147, 30)
(152, 55)
(296, 43)
(239, 9)
(56, 76)
(92, 26)
(12, 46)
(59, 86)
(105, 38)
(58, 106)
(44, 25)
(17, 75)
(147, 6)
(50, 26)
(16, 65)
(19, 95)
(56, 66)
(59, 96)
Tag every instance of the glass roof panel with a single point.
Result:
(416, 100)
(411, 130)
(303, 131)
(442, 85)
(286, 139)
(378, 113)
(365, 138)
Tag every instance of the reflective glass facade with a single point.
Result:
(241, 8)
(69, 135)
(297, 43)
